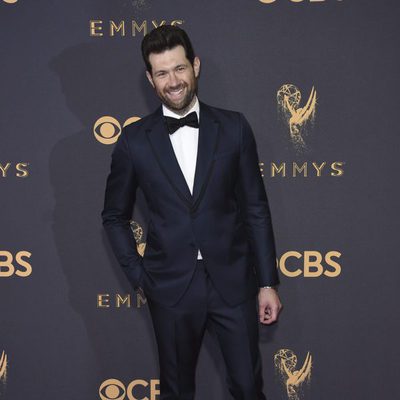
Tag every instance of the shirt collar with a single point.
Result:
(196, 107)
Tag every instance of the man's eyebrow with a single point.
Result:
(164, 70)
(159, 70)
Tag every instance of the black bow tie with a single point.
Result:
(176, 123)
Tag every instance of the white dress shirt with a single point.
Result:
(185, 143)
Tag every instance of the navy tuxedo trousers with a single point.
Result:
(179, 331)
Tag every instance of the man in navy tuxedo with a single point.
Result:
(210, 252)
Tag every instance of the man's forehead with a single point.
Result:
(168, 58)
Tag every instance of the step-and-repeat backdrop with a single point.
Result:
(319, 82)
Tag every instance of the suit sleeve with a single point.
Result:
(254, 207)
(120, 196)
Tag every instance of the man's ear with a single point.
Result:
(148, 74)
(196, 66)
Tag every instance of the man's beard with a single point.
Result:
(182, 106)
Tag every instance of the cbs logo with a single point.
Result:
(18, 266)
(113, 389)
(310, 264)
(107, 129)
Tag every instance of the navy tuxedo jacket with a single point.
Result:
(227, 217)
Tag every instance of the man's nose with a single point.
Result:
(173, 80)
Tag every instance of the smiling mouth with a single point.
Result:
(175, 94)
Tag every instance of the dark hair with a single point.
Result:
(166, 37)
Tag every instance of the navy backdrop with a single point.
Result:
(318, 82)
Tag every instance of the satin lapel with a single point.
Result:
(158, 137)
(208, 141)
